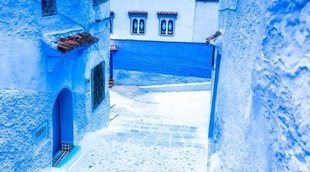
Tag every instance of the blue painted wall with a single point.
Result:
(262, 104)
(182, 59)
(33, 74)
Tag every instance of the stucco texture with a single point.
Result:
(21, 112)
(262, 110)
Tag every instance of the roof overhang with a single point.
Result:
(68, 40)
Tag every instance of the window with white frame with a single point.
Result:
(167, 23)
(137, 22)
(166, 27)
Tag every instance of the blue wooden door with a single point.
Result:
(56, 127)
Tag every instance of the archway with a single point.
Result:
(62, 121)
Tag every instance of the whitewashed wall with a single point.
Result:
(184, 26)
(205, 20)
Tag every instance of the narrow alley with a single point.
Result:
(153, 130)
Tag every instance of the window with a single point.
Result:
(48, 7)
(96, 3)
(170, 27)
(97, 85)
(137, 22)
(163, 27)
(167, 23)
(141, 26)
(134, 26)
(166, 27)
(138, 26)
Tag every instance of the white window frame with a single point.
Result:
(138, 18)
(167, 19)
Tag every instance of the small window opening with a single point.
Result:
(97, 85)
(48, 7)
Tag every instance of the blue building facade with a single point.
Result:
(54, 67)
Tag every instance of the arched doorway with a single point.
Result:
(62, 120)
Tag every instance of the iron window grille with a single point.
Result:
(48, 7)
(98, 85)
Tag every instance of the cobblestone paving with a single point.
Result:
(141, 140)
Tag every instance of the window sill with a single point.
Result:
(138, 34)
(166, 35)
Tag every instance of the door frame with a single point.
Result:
(62, 120)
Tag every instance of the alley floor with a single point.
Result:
(153, 130)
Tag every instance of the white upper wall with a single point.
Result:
(184, 25)
(206, 20)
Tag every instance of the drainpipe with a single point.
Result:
(113, 50)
